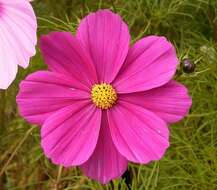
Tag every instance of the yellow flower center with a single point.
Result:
(103, 95)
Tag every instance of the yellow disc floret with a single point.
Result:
(103, 95)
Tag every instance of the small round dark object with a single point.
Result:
(188, 66)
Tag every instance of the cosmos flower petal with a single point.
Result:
(21, 33)
(138, 134)
(18, 36)
(43, 93)
(69, 136)
(7, 71)
(106, 38)
(151, 62)
(63, 53)
(106, 163)
(171, 101)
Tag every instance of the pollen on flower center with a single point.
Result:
(103, 95)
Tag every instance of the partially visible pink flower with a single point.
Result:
(17, 38)
(103, 103)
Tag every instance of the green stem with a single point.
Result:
(113, 6)
(2, 109)
(16, 150)
(83, 7)
(68, 7)
(2, 126)
(58, 178)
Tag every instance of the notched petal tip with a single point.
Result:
(138, 134)
(106, 163)
(69, 136)
(42, 93)
(171, 102)
(106, 38)
(64, 53)
(151, 63)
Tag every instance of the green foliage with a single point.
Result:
(190, 163)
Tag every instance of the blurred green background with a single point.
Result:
(191, 161)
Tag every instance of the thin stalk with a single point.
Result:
(127, 176)
(16, 150)
(2, 181)
(41, 179)
(2, 126)
(83, 7)
(58, 177)
(113, 6)
(2, 109)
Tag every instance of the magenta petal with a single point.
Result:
(106, 38)
(65, 54)
(151, 62)
(171, 101)
(69, 136)
(43, 93)
(106, 163)
(138, 134)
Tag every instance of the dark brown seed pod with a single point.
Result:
(187, 65)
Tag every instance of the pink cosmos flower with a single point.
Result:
(103, 103)
(17, 38)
